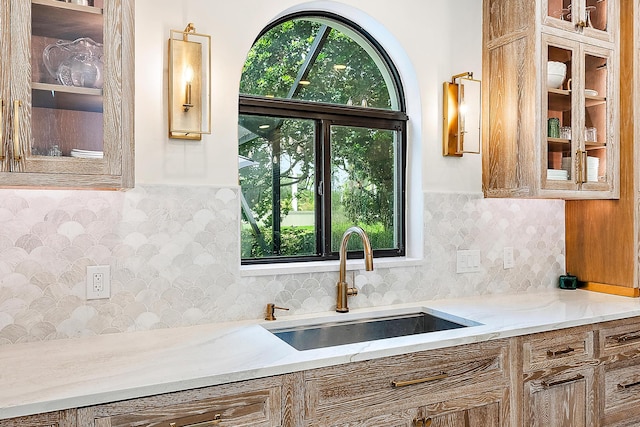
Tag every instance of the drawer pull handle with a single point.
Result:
(422, 422)
(628, 385)
(1, 129)
(396, 384)
(546, 384)
(217, 419)
(554, 353)
(632, 336)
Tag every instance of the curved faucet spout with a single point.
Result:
(343, 288)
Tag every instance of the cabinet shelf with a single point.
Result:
(564, 145)
(560, 100)
(47, 95)
(52, 18)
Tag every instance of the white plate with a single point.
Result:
(591, 92)
(87, 154)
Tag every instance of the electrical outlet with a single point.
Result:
(508, 261)
(98, 282)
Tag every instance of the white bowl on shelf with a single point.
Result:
(556, 72)
(554, 81)
(555, 67)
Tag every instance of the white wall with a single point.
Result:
(430, 41)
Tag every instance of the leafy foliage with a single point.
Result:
(362, 159)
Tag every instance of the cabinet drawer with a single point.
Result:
(251, 403)
(622, 387)
(618, 337)
(558, 348)
(402, 382)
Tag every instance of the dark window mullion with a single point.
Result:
(325, 209)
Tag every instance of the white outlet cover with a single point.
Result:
(92, 292)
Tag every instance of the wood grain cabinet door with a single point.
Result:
(564, 399)
(50, 419)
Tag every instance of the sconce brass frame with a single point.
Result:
(189, 105)
(453, 128)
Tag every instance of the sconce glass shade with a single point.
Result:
(462, 105)
(189, 84)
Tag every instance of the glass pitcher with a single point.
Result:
(75, 63)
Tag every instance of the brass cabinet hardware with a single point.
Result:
(581, 24)
(1, 129)
(16, 129)
(554, 353)
(422, 422)
(271, 308)
(396, 384)
(547, 384)
(631, 336)
(628, 385)
(217, 419)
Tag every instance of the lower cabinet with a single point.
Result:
(558, 372)
(446, 387)
(620, 390)
(50, 419)
(584, 376)
(256, 403)
(563, 399)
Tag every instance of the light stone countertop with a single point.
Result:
(52, 375)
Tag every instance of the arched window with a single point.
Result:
(322, 142)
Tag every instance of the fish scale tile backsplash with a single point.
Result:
(173, 252)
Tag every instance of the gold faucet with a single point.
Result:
(344, 290)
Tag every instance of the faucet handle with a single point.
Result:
(271, 308)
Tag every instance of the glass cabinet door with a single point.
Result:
(560, 121)
(589, 17)
(596, 130)
(578, 127)
(67, 81)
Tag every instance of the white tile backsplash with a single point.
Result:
(174, 257)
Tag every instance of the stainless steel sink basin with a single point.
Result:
(328, 334)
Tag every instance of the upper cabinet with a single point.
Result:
(550, 99)
(66, 91)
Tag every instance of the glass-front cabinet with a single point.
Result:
(67, 94)
(588, 17)
(578, 126)
(551, 99)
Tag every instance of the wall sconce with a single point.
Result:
(462, 113)
(189, 84)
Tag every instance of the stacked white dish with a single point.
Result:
(557, 175)
(556, 72)
(592, 168)
(86, 154)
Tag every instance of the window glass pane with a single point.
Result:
(276, 170)
(315, 61)
(364, 185)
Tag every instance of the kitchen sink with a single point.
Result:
(328, 334)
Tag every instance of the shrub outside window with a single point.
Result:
(322, 142)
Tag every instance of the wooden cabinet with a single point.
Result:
(256, 403)
(620, 388)
(69, 124)
(439, 387)
(602, 236)
(550, 82)
(50, 419)
(559, 379)
(582, 376)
